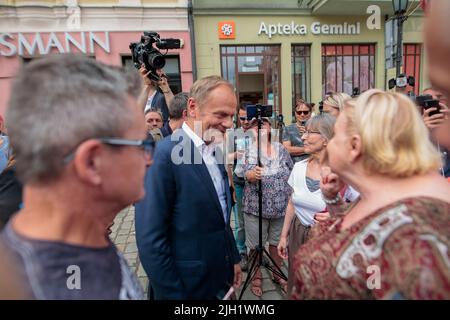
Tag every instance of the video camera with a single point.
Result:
(144, 52)
(257, 111)
(426, 101)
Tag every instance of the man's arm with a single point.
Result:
(153, 227)
(143, 97)
(293, 151)
(165, 88)
(147, 90)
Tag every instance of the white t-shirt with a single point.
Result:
(306, 203)
(149, 102)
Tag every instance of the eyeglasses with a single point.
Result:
(243, 118)
(310, 131)
(147, 145)
(302, 112)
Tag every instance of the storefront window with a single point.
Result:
(301, 74)
(411, 63)
(345, 67)
(255, 72)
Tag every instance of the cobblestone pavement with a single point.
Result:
(124, 236)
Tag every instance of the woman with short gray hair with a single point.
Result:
(306, 199)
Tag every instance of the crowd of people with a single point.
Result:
(355, 197)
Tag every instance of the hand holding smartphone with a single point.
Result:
(432, 104)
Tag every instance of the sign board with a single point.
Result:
(227, 30)
(25, 44)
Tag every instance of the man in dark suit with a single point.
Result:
(183, 232)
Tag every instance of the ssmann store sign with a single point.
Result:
(19, 44)
(316, 28)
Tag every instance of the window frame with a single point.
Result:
(356, 56)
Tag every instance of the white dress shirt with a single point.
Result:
(208, 155)
(149, 102)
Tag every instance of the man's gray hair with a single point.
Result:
(155, 111)
(203, 87)
(60, 101)
(178, 105)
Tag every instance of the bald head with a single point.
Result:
(437, 26)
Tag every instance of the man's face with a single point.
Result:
(437, 95)
(437, 44)
(302, 112)
(245, 124)
(216, 111)
(153, 120)
(125, 179)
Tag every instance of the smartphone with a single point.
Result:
(432, 104)
(420, 100)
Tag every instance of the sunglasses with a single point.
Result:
(302, 112)
(243, 118)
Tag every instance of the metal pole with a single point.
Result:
(260, 244)
(192, 38)
(400, 20)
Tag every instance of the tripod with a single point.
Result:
(256, 259)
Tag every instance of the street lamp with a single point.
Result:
(400, 6)
(399, 10)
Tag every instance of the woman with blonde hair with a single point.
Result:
(393, 242)
(334, 103)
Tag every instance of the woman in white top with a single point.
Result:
(306, 200)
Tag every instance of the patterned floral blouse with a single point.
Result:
(399, 252)
(275, 189)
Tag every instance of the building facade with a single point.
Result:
(101, 29)
(275, 52)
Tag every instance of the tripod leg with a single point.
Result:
(276, 270)
(254, 266)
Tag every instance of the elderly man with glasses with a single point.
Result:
(82, 155)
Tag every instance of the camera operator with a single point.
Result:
(433, 119)
(438, 49)
(292, 133)
(155, 94)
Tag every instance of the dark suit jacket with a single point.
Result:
(185, 245)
